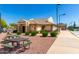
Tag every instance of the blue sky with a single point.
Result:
(13, 12)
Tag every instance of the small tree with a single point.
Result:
(12, 25)
(3, 23)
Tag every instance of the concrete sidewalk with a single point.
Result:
(65, 43)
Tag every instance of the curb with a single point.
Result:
(74, 34)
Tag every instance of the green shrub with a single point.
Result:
(71, 28)
(45, 34)
(37, 31)
(43, 31)
(33, 33)
(54, 33)
(18, 33)
(27, 33)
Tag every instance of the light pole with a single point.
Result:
(57, 14)
(60, 16)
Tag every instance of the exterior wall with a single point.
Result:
(35, 27)
(54, 28)
(31, 27)
(26, 26)
(62, 28)
(20, 26)
(38, 28)
(48, 28)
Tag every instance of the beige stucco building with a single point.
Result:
(36, 24)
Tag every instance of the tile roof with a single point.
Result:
(43, 21)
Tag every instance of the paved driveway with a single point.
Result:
(65, 43)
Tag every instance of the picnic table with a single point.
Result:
(17, 40)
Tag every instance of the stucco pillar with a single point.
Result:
(51, 27)
(18, 28)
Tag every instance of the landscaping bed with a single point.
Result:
(41, 42)
(40, 45)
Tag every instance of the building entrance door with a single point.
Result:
(23, 29)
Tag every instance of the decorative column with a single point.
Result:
(51, 27)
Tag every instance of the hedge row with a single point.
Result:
(44, 33)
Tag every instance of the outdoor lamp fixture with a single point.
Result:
(60, 16)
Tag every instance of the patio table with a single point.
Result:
(12, 36)
(17, 40)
